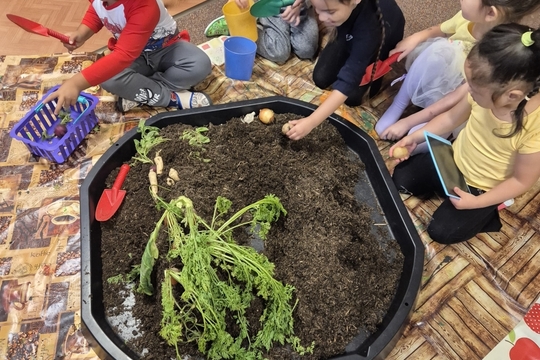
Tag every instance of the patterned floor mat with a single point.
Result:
(472, 294)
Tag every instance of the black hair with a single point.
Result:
(513, 10)
(383, 35)
(509, 62)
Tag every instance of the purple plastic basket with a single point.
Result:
(41, 120)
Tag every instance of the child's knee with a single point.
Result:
(439, 232)
(306, 52)
(322, 80)
(279, 57)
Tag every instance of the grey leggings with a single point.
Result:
(277, 37)
(154, 74)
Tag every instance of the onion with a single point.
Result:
(266, 116)
(286, 127)
(400, 152)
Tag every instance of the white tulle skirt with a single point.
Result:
(434, 69)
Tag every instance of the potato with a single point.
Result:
(400, 152)
(266, 116)
(286, 127)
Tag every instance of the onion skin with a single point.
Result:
(400, 152)
(286, 127)
(60, 130)
(266, 116)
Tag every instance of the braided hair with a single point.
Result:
(501, 59)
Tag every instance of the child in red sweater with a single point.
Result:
(150, 63)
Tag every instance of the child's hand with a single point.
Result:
(76, 40)
(68, 93)
(292, 13)
(466, 201)
(408, 143)
(395, 131)
(299, 129)
(242, 4)
(405, 46)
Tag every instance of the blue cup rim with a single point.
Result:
(245, 41)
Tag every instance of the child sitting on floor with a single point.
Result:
(150, 62)
(435, 59)
(498, 150)
(295, 30)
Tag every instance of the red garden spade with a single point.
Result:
(111, 199)
(383, 68)
(36, 28)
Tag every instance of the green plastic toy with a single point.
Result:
(267, 8)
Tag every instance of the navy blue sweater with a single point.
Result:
(362, 32)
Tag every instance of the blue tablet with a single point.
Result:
(442, 154)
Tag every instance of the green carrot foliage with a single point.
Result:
(218, 280)
(197, 139)
(149, 138)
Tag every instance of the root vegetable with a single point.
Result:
(286, 127)
(60, 130)
(170, 181)
(152, 176)
(400, 152)
(173, 174)
(266, 116)
(159, 163)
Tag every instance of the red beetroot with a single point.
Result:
(60, 130)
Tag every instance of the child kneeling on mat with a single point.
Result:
(295, 30)
(498, 150)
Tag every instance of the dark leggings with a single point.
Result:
(331, 60)
(448, 225)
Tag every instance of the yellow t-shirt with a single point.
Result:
(459, 30)
(486, 159)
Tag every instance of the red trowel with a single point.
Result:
(36, 28)
(111, 199)
(383, 68)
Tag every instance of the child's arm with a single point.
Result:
(442, 124)
(525, 174)
(292, 13)
(78, 38)
(407, 45)
(304, 126)
(401, 127)
(242, 4)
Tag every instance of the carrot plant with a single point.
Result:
(149, 138)
(197, 139)
(219, 279)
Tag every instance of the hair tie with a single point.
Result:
(527, 98)
(526, 38)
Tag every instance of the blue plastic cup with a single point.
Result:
(239, 57)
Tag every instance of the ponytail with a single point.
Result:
(512, 52)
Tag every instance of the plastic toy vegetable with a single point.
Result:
(266, 116)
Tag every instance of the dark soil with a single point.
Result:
(344, 278)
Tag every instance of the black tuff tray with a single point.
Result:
(376, 187)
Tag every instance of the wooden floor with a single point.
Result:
(60, 15)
